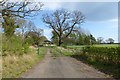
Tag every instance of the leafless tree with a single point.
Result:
(23, 25)
(62, 21)
(110, 40)
(9, 11)
(100, 40)
(19, 9)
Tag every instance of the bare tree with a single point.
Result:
(100, 40)
(110, 40)
(12, 10)
(19, 9)
(23, 25)
(62, 21)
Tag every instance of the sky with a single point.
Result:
(101, 17)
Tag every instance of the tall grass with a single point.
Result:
(0, 67)
(15, 65)
(14, 45)
(0, 55)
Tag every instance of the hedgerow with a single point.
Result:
(106, 54)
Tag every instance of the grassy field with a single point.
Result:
(14, 66)
(95, 45)
(106, 45)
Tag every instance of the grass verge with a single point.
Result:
(60, 51)
(106, 67)
(55, 52)
(0, 67)
(15, 65)
(110, 69)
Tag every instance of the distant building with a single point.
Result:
(47, 43)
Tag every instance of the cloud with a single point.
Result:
(47, 33)
(119, 34)
(51, 5)
(113, 20)
(103, 12)
(94, 11)
(78, 0)
(64, 0)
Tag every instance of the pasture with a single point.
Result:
(95, 45)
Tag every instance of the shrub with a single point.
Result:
(64, 46)
(13, 45)
(109, 55)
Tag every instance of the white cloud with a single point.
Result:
(65, 0)
(113, 20)
(78, 0)
(47, 33)
(51, 5)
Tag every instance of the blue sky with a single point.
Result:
(101, 17)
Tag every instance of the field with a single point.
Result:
(95, 45)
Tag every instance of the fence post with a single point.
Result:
(38, 49)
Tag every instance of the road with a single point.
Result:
(62, 67)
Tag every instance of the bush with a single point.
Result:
(109, 55)
(14, 45)
(64, 46)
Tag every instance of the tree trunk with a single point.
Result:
(60, 41)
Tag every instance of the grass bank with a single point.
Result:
(55, 51)
(60, 51)
(104, 59)
(15, 65)
(0, 67)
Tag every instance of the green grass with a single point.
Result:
(95, 45)
(60, 51)
(55, 52)
(0, 67)
(42, 51)
(109, 67)
(15, 65)
(106, 45)
(76, 47)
